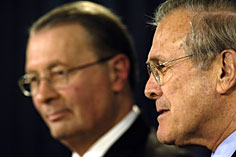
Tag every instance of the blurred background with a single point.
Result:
(23, 133)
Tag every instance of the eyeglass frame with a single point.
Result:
(22, 79)
(161, 65)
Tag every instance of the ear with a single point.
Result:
(119, 72)
(227, 75)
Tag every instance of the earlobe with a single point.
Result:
(119, 72)
(227, 75)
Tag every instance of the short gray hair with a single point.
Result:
(213, 27)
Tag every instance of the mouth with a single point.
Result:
(163, 112)
(58, 115)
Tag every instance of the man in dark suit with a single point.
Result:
(192, 66)
(80, 72)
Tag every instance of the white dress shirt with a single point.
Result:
(227, 147)
(101, 146)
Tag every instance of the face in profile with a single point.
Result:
(186, 99)
(84, 107)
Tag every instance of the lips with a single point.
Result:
(163, 114)
(58, 115)
(162, 107)
(162, 111)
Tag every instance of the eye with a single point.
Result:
(161, 67)
(31, 79)
(149, 69)
(34, 78)
(60, 72)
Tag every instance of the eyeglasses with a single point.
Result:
(29, 83)
(160, 71)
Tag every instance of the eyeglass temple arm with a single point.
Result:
(175, 60)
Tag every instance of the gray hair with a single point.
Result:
(109, 35)
(213, 27)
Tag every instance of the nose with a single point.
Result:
(46, 93)
(152, 89)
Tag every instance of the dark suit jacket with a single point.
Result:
(139, 141)
(234, 155)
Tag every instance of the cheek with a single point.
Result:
(89, 100)
(88, 91)
(77, 97)
(37, 105)
(189, 99)
(184, 91)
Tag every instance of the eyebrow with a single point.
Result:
(156, 59)
(48, 68)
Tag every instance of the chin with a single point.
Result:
(58, 134)
(59, 131)
(165, 140)
(165, 137)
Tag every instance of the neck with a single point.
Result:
(217, 129)
(225, 121)
(223, 134)
(215, 125)
(81, 142)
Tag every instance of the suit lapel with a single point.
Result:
(132, 142)
(234, 155)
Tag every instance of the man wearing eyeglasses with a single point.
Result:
(192, 67)
(80, 74)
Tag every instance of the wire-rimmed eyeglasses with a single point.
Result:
(159, 70)
(29, 83)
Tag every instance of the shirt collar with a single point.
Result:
(227, 147)
(101, 146)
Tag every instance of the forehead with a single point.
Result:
(64, 44)
(170, 35)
